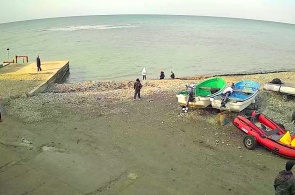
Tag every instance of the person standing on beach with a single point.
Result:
(284, 183)
(137, 88)
(162, 75)
(38, 62)
(172, 75)
(143, 72)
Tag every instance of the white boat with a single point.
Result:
(286, 88)
(198, 96)
(244, 95)
(232, 105)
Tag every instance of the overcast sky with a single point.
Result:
(270, 10)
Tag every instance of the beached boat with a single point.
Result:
(287, 89)
(198, 95)
(244, 94)
(260, 129)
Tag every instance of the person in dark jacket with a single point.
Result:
(137, 88)
(172, 75)
(162, 75)
(284, 183)
(38, 62)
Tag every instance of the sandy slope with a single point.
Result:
(82, 139)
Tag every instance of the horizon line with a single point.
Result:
(209, 16)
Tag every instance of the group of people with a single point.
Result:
(137, 85)
(162, 74)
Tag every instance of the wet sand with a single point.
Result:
(92, 138)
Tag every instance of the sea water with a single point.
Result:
(117, 47)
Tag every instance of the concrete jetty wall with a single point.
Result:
(18, 80)
(57, 76)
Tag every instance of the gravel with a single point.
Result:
(95, 98)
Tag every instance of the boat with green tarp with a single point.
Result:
(198, 95)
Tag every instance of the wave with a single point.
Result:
(87, 27)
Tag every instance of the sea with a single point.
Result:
(117, 47)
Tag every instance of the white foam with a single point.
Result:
(87, 27)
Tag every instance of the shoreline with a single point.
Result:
(196, 77)
(262, 78)
(187, 77)
(254, 73)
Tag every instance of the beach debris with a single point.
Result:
(222, 118)
(22, 143)
(184, 109)
(52, 149)
(26, 142)
(132, 176)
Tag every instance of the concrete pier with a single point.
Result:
(24, 79)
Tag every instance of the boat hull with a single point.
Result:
(232, 105)
(286, 88)
(198, 102)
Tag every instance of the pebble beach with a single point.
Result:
(138, 143)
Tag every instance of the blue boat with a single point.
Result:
(243, 94)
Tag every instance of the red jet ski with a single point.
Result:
(260, 129)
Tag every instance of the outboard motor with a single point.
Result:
(190, 89)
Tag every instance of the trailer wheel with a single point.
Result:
(250, 142)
